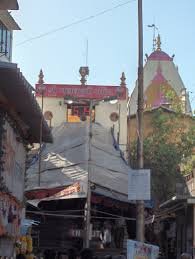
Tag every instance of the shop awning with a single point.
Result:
(8, 20)
(16, 95)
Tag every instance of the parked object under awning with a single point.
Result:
(16, 97)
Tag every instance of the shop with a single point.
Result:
(173, 226)
(67, 218)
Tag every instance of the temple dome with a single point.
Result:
(159, 55)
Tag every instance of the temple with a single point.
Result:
(161, 77)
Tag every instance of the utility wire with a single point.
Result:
(75, 216)
(75, 23)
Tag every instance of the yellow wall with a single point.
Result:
(187, 121)
(153, 93)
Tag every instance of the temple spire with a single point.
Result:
(158, 43)
(123, 80)
(41, 76)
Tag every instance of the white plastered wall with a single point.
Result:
(102, 116)
(57, 107)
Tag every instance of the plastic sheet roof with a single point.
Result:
(65, 162)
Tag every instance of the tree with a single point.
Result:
(168, 146)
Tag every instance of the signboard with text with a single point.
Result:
(139, 250)
(95, 92)
(139, 185)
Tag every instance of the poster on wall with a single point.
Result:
(139, 250)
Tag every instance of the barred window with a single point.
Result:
(5, 41)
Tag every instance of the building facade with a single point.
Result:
(7, 26)
(71, 103)
(18, 131)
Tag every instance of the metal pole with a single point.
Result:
(154, 37)
(119, 123)
(128, 136)
(185, 227)
(140, 204)
(40, 141)
(193, 232)
(88, 204)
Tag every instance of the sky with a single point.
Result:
(111, 36)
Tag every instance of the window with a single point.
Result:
(5, 41)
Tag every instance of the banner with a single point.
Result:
(139, 250)
(93, 92)
(76, 190)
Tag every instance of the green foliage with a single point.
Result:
(172, 98)
(188, 165)
(169, 145)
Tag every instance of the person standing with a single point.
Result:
(106, 237)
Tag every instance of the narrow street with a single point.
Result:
(97, 159)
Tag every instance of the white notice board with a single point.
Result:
(139, 185)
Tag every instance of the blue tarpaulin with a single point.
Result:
(26, 223)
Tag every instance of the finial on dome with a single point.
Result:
(123, 80)
(84, 72)
(158, 43)
(41, 76)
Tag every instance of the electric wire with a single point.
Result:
(111, 214)
(75, 216)
(74, 23)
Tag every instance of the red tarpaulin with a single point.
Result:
(58, 192)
